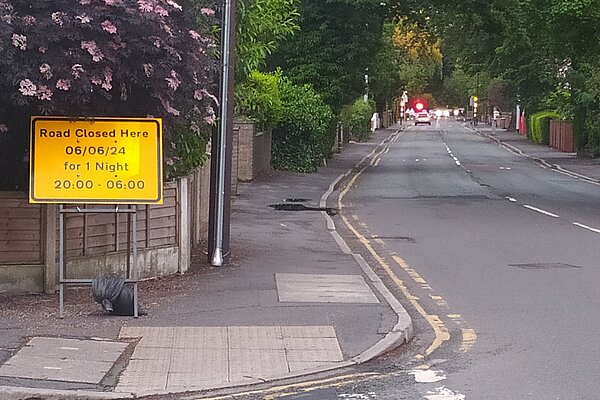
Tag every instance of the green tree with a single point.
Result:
(337, 42)
(261, 26)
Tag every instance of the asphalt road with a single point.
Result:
(507, 255)
(496, 259)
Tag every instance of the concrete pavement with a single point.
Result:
(293, 301)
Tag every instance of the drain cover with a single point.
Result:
(544, 266)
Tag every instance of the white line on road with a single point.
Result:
(541, 211)
(589, 228)
(511, 199)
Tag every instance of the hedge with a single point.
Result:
(539, 126)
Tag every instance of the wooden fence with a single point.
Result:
(96, 244)
(561, 135)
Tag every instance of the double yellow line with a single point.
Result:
(442, 334)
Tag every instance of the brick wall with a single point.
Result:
(252, 157)
(262, 154)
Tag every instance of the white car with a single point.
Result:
(422, 118)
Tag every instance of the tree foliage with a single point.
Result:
(337, 41)
(261, 26)
(303, 139)
(258, 98)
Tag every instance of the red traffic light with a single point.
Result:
(419, 104)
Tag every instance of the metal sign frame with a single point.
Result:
(132, 273)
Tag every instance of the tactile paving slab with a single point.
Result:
(183, 358)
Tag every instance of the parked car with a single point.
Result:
(422, 118)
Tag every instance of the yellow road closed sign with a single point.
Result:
(100, 160)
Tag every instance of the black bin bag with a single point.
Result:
(113, 294)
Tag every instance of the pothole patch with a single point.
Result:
(302, 207)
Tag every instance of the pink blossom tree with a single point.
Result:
(107, 57)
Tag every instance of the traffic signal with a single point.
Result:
(420, 105)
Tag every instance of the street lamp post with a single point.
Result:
(221, 150)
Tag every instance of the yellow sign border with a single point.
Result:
(66, 200)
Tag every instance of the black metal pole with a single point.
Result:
(221, 150)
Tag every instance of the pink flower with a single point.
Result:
(174, 5)
(109, 27)
(107, 83)
(27, 88)
(46, 70)
(207, 11)
(19, 41)
(29, 20)
(42, 49)
(195, 35)
(58, 17)
(209, 119)
(173, 81)
(170, 109)
(85, 2)
(169, 162)
(83, 18)
(44, 93)
(76, 70)
(93, 49)
(145, 6)
(161, 11)
(110, 2)
(63, 84)
(148, 69)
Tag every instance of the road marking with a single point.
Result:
(442, 393)
(589, 228)
(548, 213)
(441, 332)
(337, 381)
(427, 375)
(469, 338)
(511, 199)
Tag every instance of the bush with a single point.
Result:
(258, 98)
(303, 138)
(357, 117)
(107, 58)
(539, 126)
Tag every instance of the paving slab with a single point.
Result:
(319, 288)
(68, 360)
